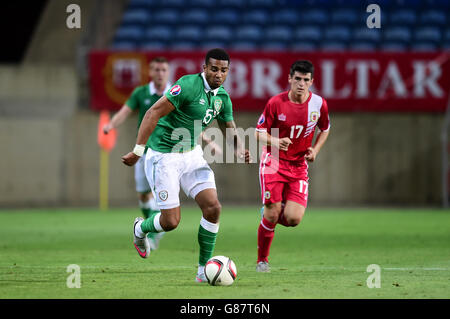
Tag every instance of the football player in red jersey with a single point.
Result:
(287, 127)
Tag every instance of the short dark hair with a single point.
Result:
(218, 54)
(159, 59)
(302, 66)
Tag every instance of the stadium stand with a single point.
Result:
(281, 24)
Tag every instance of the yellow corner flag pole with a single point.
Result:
(106, 141)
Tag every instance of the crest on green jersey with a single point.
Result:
(217, 105)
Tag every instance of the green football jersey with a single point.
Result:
(196, 106)
(142, 98)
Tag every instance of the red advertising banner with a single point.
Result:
(350, 81)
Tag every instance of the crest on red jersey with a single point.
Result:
(282, 117)
(314, 116)
(261, 119)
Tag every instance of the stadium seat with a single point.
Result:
(362, 46)
(159, 32)
(338, 33)
(397, 34)
(308, 34)
(124, 45)
(274, 46)
(262, 3)
(222, 33)
(153, 45)
(228, 16)
(243, 46)
(249, 32)
(201, 3)
(393, 46)
(333, 46)
(433, 17)
(188, 32)
(174, 3)
(195, 16)
(232, 3)
(402, 17)
(424, 46)
(285, 16)
(131, 33)
(213, 44)
(141, 4)
(256, 16)
(303, 46)
(136, 17)
(166, 16)
(314, 16)
(183, 46)
(344, 16)
(367, 35)
(432, 34)
(274, 33)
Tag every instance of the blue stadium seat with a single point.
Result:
(402, 17)
(228, 16)
(362, 46)
(274, 46)
(153, 45)
(201, 3)
(232, 3)
(345, 16)
(124, 45)
(256, 16)
(243, 46)
(338, 33)
(141, 4)
(433, 17)
(249, 32)
(159, 32)
(424, 46)
(309, 34)
(131, 33)
(303, 46)
(262, 3)
(213, 44)
(174, 3)
(285, 16)
(195, 16)
(333, 46)
(219, 32)
(314, 16)
(282, 33)
(189, 33)
(183, 46)
(447, 34)
(408, 3)
(432, 34)
(393, 46)
(398, 34)
(367, 35)
(136, 16)
(165, 16)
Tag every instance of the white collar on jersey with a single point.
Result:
(207, 87)
(152, 89)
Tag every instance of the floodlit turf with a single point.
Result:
(326, 256)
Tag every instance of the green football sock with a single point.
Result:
(207, 242)
(148, 225)
(145, 212)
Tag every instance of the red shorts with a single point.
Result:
(283, 180)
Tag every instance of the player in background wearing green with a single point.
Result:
(170, 130)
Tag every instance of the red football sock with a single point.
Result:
(265, 237)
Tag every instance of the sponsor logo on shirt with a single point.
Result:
(147, 101)
(261, 119)
(202, 101)
(282, 117)
(175, 90)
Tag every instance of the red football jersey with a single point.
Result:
(296, 121)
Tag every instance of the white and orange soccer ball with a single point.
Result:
(220, 271)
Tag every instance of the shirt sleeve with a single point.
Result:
(133, 101)
(226, 115)
(177, 93)
(265, 121)
(324, 120)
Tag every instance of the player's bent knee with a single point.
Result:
(212, 211)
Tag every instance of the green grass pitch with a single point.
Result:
(326, 256)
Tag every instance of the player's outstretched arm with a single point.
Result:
(313, 151)
(161, 108)
(117, 119)
(229, 130)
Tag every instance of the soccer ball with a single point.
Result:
(220, 271)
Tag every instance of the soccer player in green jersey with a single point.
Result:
(170, 130)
